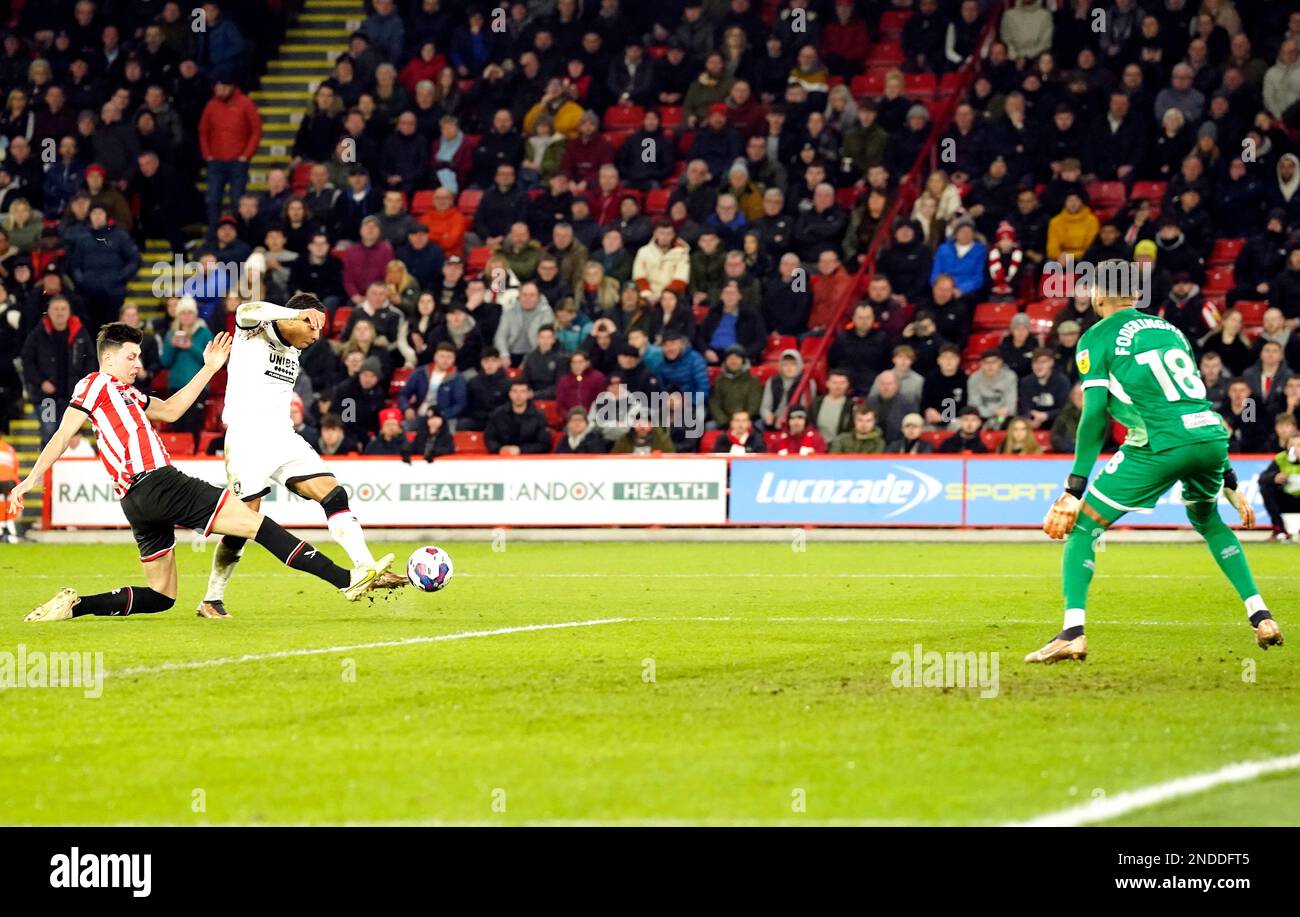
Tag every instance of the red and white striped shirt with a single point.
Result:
(128, 443)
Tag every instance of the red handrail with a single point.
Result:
(906, 195)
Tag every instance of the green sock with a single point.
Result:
(1225, 547)
(1077, 566)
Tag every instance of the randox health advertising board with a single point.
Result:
(533, 491)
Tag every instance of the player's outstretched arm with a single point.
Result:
(171, 409)
(252, 314)
(73, 419)
(1088, 440)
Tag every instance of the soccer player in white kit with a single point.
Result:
(261, 444)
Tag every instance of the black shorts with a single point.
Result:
(164, 500)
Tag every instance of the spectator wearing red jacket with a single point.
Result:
(831, 287)
(798, 439)
(365, 262)
(586, 153)
(229, 132)
(844, 41)
(579, 388)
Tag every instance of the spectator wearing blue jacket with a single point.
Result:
(222, 46)
(385, 31)
(964, 259)
(100, 261)
(683, 369)
(64, 179)
(435, 384)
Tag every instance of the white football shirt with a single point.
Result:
(263, 368)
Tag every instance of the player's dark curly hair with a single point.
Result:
(302, 301)
(114, 335)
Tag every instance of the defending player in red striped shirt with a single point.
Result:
(156, 497)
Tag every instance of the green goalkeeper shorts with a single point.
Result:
(1135, 477)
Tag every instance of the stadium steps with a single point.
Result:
(25, 437)
(304, 61)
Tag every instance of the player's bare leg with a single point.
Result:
(235, 518)
(343, 524)
(159, 595)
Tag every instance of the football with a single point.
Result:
(429, 568)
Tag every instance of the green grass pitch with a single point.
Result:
(740, 683)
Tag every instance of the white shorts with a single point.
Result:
(254, 462)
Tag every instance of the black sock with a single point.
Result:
(234, 543)
(129, 600)
(1070, 633)
(300, 555)
(1261, 615)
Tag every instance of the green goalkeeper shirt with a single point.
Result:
(1139, 369)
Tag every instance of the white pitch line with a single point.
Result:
(712, 574)
(1098, 810)
(324, 650)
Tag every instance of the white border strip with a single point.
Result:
(1113, 807)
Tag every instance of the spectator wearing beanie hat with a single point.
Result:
(391, 439)
(580, 437)
(799, 438)
(911, 442)
(1005, 259)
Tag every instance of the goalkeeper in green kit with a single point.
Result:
(1139, 369)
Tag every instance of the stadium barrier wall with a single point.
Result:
(682, 490)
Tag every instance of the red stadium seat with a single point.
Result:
(421, 202)
(206, 439)
(982, 341)
(994, 316)
(1044, 438)
(992, 439)
(554, 419)
(1225, 251)
(218, 384)
(1106, 195)
(624, 118)
(1041, 315)
(846, 197)
(809, 346)
(714, 372)
(684, 141)
(515, 372)
(1152, 191)
(777, 343)
(1218, 281)
(699, 313)
(396, 383)
(179, 443)
(478, 259)
(919, 85)
(868, 84)
(469, 442)
(764, 372)
(467, 203)
(556, 436)
(935, 437)
(949, 83)
(671, 116)
(616, 139)
(656, 201)
(212, 413)
(771, 438)
(892, 22)
(341, 316)
(935, 107)
(1252, 310)
(301, 177)
(886, 53)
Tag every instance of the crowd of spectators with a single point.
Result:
(511, 228)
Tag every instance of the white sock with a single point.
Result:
(1255, 603)
(224, 562)
(346, 530)
(1073, 618)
